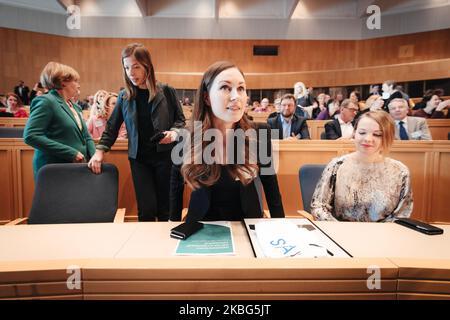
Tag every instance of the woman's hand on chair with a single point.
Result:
(95, 164)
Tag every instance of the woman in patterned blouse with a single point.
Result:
(365, 185)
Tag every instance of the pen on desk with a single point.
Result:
(328, 251)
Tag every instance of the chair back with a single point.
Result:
(309, 175)
(71, 193)
(6, 132)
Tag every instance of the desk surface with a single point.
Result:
(137, 261)
(388, 240)
(139, 240)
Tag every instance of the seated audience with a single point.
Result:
(334, 105)
(355, 97)
(110, 105)
(406, 127)
(342, 126)
(428, 94)
(434, 106)
(390, 93)
(374, 91)
(277, 105)
(289, 125)
(264, 106)
(14, 106)
(321, 112)
(365, 185)
(187, 102)
(373, 103)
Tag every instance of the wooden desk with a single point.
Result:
(135, 260)
(423, 261)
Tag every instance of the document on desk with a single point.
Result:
(296, 238)
(215, 238)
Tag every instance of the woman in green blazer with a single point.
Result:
(56, 129)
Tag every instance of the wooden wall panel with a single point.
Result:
(7, 176)
(181, 62)
(441, 187)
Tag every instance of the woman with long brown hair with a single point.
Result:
(223, 174)
(152, 116)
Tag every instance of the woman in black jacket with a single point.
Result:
(153, 118)
(225, 156)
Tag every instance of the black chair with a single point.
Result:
(448, 136)
(323, 136)
(6, 132)
(71, 193)
(309, 175)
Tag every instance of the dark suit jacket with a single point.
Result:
(53, 131)
(24, 97)
(166, 113)
(333, 129)
(250, 202)
(298, 126)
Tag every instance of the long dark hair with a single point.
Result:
(142, 55)
(197, 175)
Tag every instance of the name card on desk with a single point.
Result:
(283, 238)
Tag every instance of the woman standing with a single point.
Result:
(148, 109)
(224, 188)
(56, 128)
(365, 185)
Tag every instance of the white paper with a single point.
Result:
(282, 238)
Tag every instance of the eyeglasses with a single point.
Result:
(352, 109)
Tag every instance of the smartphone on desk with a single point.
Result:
(419, 226)
(185, 230)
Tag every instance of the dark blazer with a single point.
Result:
(298, 126)
(53, 132)
(24, 97)
(250, 202)
(166, 113)
(333, 129)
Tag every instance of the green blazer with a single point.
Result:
(53, 132)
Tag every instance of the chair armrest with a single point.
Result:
(306, 215)
(17, 221)
(120, 215)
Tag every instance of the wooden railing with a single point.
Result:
(439, 127)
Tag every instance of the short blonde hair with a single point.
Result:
(54, 74)
(387, 127)
(370, 101)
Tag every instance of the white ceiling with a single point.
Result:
(223, 9)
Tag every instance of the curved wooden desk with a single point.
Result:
(136, 261)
